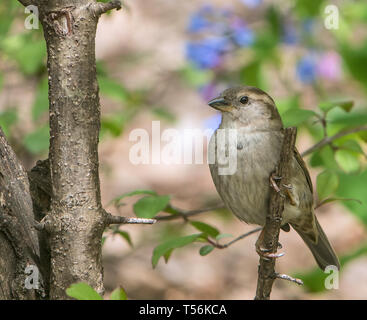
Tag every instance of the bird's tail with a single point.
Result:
(322, 250)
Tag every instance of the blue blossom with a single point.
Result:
(308, 25)
(306, 69)
(290, 34)
(199, 20)
(251, 3)
(207, 53)
(242, 35)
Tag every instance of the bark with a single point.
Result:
(19, 245)
(270, 233)
(75, 221)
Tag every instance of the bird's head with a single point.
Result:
(247, 106)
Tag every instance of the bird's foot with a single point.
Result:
(274, 185)
(266, 253)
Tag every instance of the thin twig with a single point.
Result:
(269, 237)
(102, 7)
(226, 245)
(327, 140)
(288, 278)
(185, 214)
(111, 219)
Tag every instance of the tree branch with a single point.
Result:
(18, 240)
(288, 278)
(27, 3)
(226, 245)
(185, 214)
(111, 219)
(100, 8)
(270, 235)
(327, 140)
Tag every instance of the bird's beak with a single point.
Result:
(220, 104)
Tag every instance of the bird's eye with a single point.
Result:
(244, 99)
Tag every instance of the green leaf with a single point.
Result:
(205, 228)
(171, 244)
(354, 186)
(314, 280)
(345, 105)
(149, 206)
(126, 236)
(206, 250)
(132, 193)
(295, 117)
(363, 135)
(27, 49)
(223, 235)
(103, 240)
(113, 124)
(328, 200)
(164, 114)
(351, 145)
(167, 255)
(112, 89)
(355, 58)
(251, 74)
(287, 103)
(118, 294)
(196, 77)
(82, 291)
(347, 160)
(38, 141)
(7, 119)
(325, 158)
(40, 104)
(326, 182)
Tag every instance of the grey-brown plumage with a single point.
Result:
(254, 117)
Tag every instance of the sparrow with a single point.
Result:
(252, 114)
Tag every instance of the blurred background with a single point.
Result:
(162, 60)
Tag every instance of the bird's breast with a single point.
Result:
(246, 189)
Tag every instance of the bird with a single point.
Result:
(252, 115)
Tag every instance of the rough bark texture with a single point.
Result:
(60, 196)
(76, 221)
(19, 246)
(266, 274)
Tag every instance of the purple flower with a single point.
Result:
(328, 67)
(306, 69)
(207, 53)
(242, 35)
(251, 3)
(213, 121)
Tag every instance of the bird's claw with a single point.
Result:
(265, 253)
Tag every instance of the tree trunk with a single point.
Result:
(76, 220)
(68, 247)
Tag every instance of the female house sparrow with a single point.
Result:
(254, 117)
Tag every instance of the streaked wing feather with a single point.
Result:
(304, 168)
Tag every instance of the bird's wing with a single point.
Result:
(304, 168)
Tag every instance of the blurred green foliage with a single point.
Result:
(297, 29)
